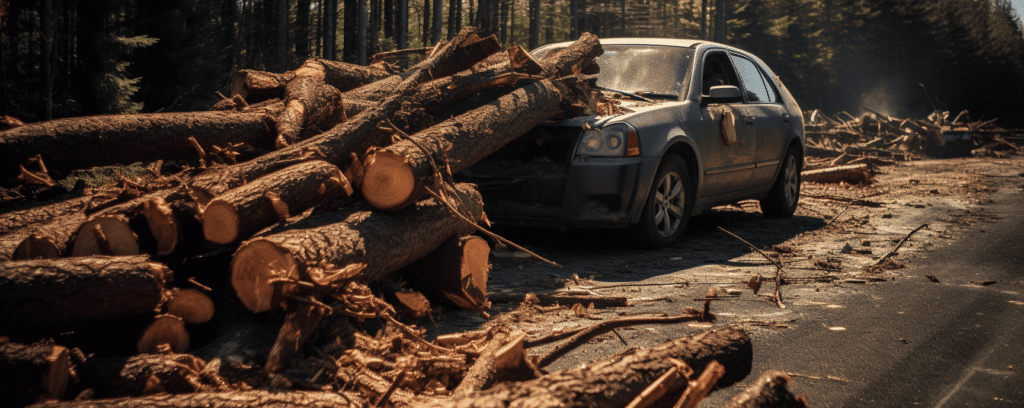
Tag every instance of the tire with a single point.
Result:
(668, 206)
(784, 196)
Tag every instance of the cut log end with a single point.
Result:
(192, 306)
(413, 303)
(36, 247)
(220, 222)
(388, 181)
(253, 270)
(56, 381)
(107, 235)
(475, 267)
(165, 329)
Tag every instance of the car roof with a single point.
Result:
(675, 42)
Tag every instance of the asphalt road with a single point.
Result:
(914, 341)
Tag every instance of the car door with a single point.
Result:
(764, 116)
(728, 162)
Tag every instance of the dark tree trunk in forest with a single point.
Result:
(56, 293)
(454, 17)
(33, 373)
(330, 30)
(384, 242)
(402, 24)
(362, 27)
(47, 57)
(574, 19)
(503, 16)
(301, 32)
(425, 33)
(438, 23)
(373, 28)
(281, 20)
(390, 13)
(534, 24)
(549, 22)
(720, 29)
(350, 48)
(622, 19)
(704, 19)
(243, 211)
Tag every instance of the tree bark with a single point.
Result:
(229, 399)
(55, 293)
(579, 54)
(311, 106)
(768, 391)
(242, 211)
(456, 273)
(143, 374)
(300, 323)
(344, 76)
(256, 86)
(336, 146)
(32, 373)
(16, 220)
(384, 242)
(78, 143)
(398, 175)
(41, 241)
(617, 380)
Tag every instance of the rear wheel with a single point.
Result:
(668, 206)
(785, 194)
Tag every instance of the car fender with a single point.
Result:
(675, 139)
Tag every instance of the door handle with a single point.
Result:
(785, 118)
(749, 120)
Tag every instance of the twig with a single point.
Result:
(391, 54)
(778, 268)
(193, 281)
(391, 390)
(589, 332)
(773, 261)
(898, 245)
(837, 215)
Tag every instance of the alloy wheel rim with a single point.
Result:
(669, 202)
(792, 179)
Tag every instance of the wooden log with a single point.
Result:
(344, 76)
(300, 323)
(572, 59)
(30, 373)
(242, 211)
(852, 174)
(50, 240)
(166, 330)
(337, 146)
(256, 86)
(456, 273)
(227, 399)
(311, 106)
(78, 143)
(143, 374)
(768, 391)
(19, 219)
(53, 293)
(617, 380)
(169, 217)
(191, 305)
(384, 242)
(398, 175)
(105, 235)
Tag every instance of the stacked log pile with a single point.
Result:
(238, 270)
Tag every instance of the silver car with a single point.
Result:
(698, 124)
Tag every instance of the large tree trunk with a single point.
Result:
(336, 146)
(578, 56)
(241, 212)
(455, 273)
(16, 220)
(32, 373)
(256, 86)
(56, 293)
(345, 76)
(112, 377)
(398, 175)
(384, 242)
(77, 143)
(614, 382)
(228, 399)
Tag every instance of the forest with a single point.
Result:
(63, 58)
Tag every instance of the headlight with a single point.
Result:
(616, 140)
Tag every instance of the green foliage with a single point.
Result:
(114, 89)
(98, 176)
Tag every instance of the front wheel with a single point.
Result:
(785, 194)
(668, 206)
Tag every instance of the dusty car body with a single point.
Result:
(701, 124)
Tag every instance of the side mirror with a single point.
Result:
(723, 94)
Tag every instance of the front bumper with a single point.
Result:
(589, 192)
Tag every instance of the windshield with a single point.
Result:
(646, 69)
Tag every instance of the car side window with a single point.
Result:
(717, 70)
(757, 88)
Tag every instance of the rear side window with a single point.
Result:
(757, 87)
